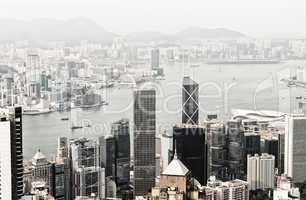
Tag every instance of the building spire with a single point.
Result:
(175, 152)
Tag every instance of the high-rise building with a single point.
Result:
(41, 170)
(217, 154)
(295, 151)
(251, 146)
(230, 190)
(59, 177)
(235, 149)
(190, 143)
(121, 131)
(271, 146)
(11, 156)
(155, 58)
(190, 101)
(107, 148)
(62, 161)
(281, 153)
(144, 140)
(260, 171)
(7, 90)
(88, 178)
(33, 67)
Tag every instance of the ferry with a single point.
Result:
(29, 111)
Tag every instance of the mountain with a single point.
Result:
(192, 33)
(73, 30)
(204, 33)
(147, 36)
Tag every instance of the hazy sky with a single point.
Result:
(253, 17)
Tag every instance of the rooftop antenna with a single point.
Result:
(175, 151)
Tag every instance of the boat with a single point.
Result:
(36, 111)
(242, 61)
(76, 127)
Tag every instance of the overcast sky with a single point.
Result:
(254, 17)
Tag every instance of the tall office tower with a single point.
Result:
(190, 143)
(217, 150)
(144, 140)
(190, 101)
(270, 146)
(7, 90)
(32, 68)
(295, 151)
(107, 147)
(88, 178)
(251, 146)
(62, 161)
(11, 156)
(281, 153)
(121, 131)
(155, 59)
(235, 150)
(60, 190)
(62, 148)
(260, 173)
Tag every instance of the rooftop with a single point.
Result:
(176, 168)
(188, 81)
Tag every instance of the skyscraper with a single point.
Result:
(88, 177)
(155, 58)
(121, 132)
(251, 146)
(11, 156)
(295, 151)
(144, 140)
(235, 148)
(216, 140)
(271, 146)
(190, 143)
(190, 102)
(62, 163)
(281, 153)
(260, 172)
(107, 146)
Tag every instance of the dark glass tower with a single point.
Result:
(189, 141)
(216, 140)
(144, 140)
(281, 153)
(251, 146)
(270, 146)
(107, 147)
(121, 132)
(190, 102)
(235, 132)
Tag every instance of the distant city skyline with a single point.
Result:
(255, 18)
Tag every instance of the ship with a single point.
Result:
(42, 107)
(30, 111)
(242, 61)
